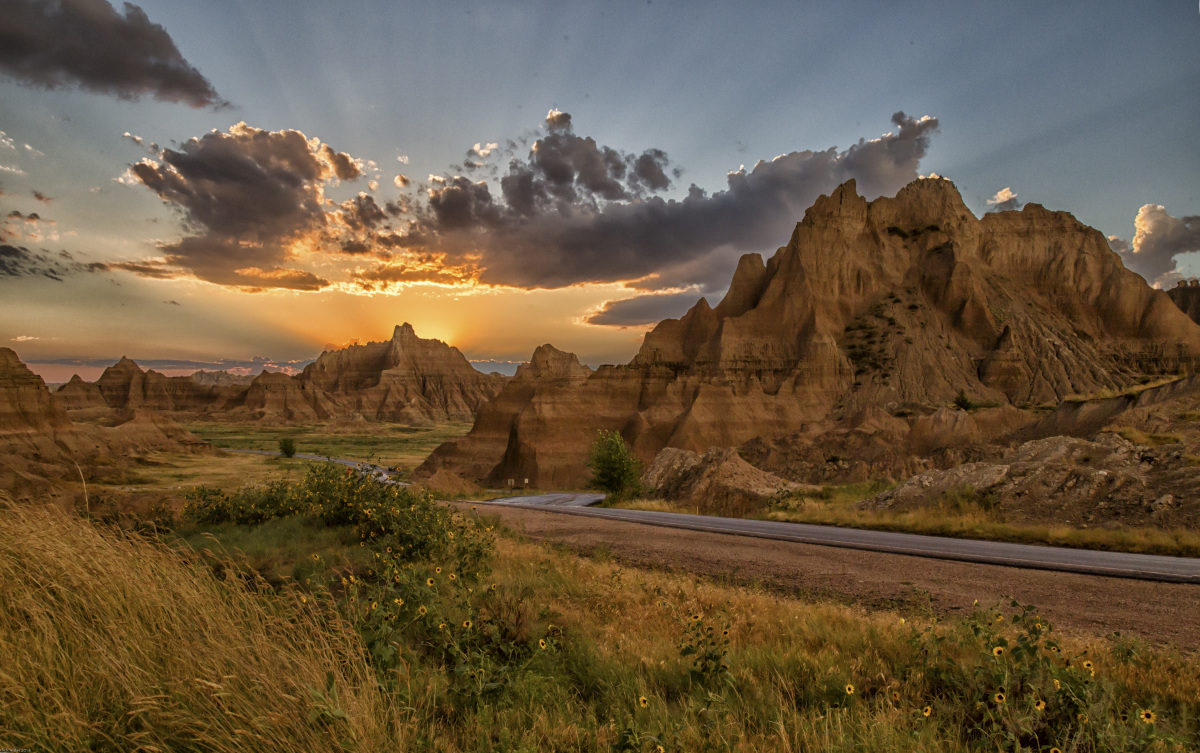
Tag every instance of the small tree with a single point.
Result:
(963, 402)
(614, 468)
(287, 447)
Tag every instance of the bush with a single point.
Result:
(962, 402)
(614, 468)
(287, 447)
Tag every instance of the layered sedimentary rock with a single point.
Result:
(405, 379)
(550, 374)
(40, 445)
(899, 304)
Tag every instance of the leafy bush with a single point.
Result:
(614, 468)
(287, 447)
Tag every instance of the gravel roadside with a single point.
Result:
(1162, 613)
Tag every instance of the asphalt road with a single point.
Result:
(1090, 562)
(1086, 561)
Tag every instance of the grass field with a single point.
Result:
(142, 644)
(391, 445)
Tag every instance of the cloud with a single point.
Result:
(24, 338)
(253, 202)
(1158, 241)
(643, 310)
(86, 43)
(172, 303)
(30, 227)
(42, 197)
(6, 141)
(13, 170)
(575, 211)
(401, 181)
(19, 261)
(1004, 200)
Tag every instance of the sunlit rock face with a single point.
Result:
(897, 303)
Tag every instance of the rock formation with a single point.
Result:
(717, 482)
(40, 445)
(550, 375)
(406, 379)
(898, 304)
(1186, 296)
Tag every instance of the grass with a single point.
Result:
(1132, 391)
(967, 515)
(113, 642)
(391, 445)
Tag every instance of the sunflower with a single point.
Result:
(467, 624)
(542, 644)
(998, 699)
(316, 557)
(441, 626)
(1089, 666)
(422, 610)
(895, 695)
(494, 586)
(1081, 718)
(437, 570)
(1057, 685)
(643, 701)
(452, 576)
(1147, 716)
(374, 605)
(1039, 705)
(998, 651)
(697, 617)
(927, 710)
(429, 582)
(398, 602)
(1055, 750)
(725, 632)
(849, 689)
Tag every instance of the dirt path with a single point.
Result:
(1161, 613)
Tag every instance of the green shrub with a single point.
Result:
(962, 402)
(287, 447)
(614, 468)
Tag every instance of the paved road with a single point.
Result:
(1116, 564)
(1086, 561)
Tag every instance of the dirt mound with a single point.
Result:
(718, 481)
(1066, 480)
(445, 484)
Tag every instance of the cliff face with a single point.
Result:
(1186, 296)
(125, 387)
(494, 437)
(899, 303)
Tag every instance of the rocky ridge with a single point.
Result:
(891, 307)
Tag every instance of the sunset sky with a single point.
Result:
(238, 183)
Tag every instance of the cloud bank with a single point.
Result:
(86, 43)
(1158, 241)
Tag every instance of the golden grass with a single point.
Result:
(117, 643)
(972, 521)
(1136, 389)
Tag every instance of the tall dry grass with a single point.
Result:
(114, 642)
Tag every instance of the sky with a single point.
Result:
(243, 184)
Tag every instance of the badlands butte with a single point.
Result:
(894, 339)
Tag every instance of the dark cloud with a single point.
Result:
(86, 43)
(19, 261)
(1159, 239)
(172, 303)
(643, 310)
(42, 197)
(575, 211)
(250, 198)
